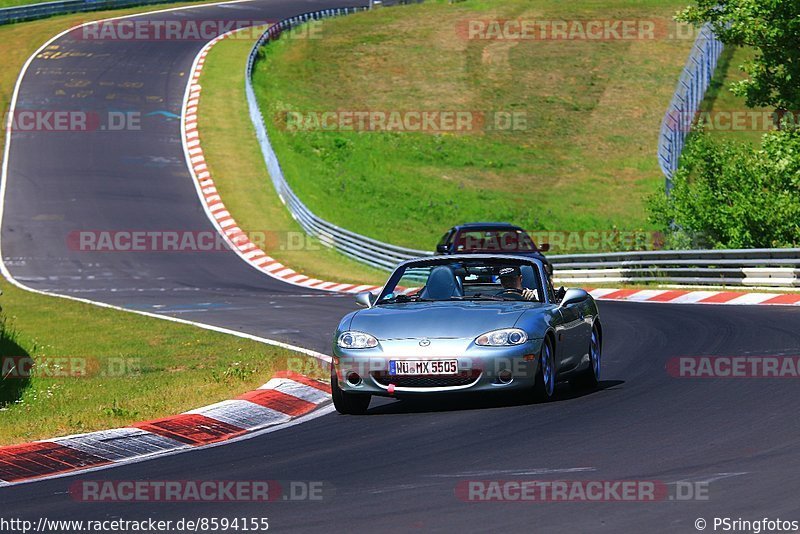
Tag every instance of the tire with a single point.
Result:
(348, 403)
(544, 388)
(590, 378)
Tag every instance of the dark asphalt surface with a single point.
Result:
(65, 182)
(397, 468)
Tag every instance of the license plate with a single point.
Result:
(423, 367)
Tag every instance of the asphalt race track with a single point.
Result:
(61, 183)
(396, 469)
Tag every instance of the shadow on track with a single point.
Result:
(14, 380)
(455, 402)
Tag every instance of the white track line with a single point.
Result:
(6, 155)
(165, 448)
(330, 286)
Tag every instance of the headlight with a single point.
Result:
(356, 340)
(504, 337)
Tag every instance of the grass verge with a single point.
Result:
(237, 167)
(136, 367)
(724, 114)
(585, 159)
(18, 3)
(97, 368)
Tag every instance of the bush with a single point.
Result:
(731, 195)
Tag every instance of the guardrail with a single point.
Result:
(43, 10)
(758, 267)
(356, 246)
(744, 267)
(755, 267)
(689, 94)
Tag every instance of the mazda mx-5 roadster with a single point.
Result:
(465, 323)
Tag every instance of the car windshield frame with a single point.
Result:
(460, 262)
(528, 247)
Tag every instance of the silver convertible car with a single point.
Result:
(465, 323)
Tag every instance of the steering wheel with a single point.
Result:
(511, 292)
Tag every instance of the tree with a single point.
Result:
(772, 28)
(734, 195)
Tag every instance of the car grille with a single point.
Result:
(427, 381)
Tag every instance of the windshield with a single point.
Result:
(487, 279)
(494, 241)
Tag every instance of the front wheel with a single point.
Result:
(348, 403)
(590, 378)
(545, 386)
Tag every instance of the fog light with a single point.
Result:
(353, 379)
(505, 376)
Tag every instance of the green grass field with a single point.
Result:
(237, 167)
(726, 115)
(584, 161)
(136, 367)
(403, 188)
(15, 3)
(164, 368)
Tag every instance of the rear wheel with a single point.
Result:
(348, 403)
(545, 385)
(590, 378)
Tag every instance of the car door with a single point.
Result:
(569, 336)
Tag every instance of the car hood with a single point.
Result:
(438, 319)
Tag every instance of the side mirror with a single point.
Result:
(544, 247)
(573, 296)
(366, 299)
(442, 249)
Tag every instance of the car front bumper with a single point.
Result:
(480, 369)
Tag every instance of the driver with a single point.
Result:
(511, 280)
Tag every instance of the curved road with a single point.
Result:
(396, 469)
(63, 183)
